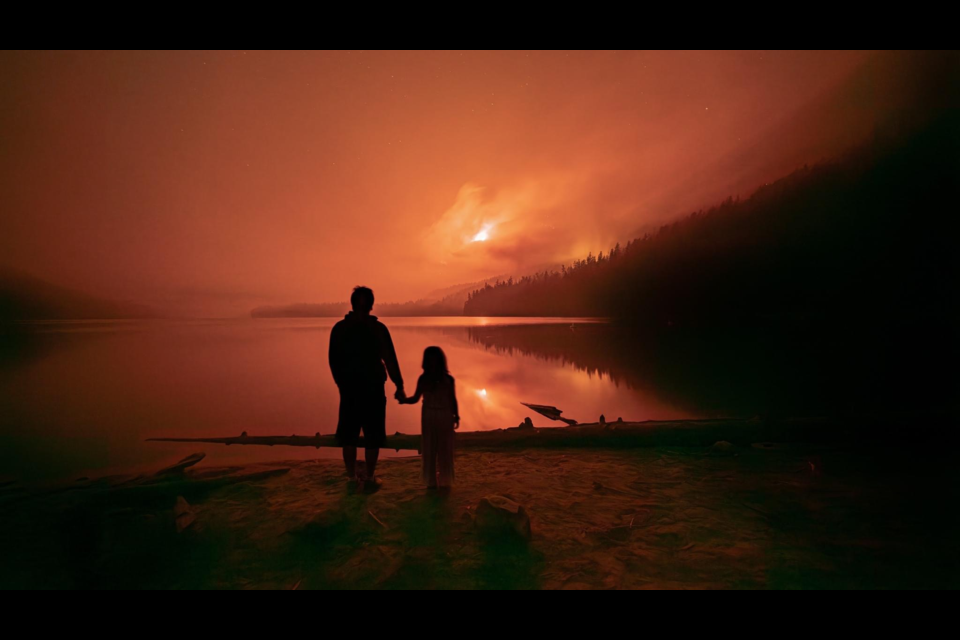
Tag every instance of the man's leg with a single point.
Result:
(350, 460)
(374, 429)
(347, 432)
(371, 456)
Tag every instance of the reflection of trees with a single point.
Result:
(655, 366)
(581, 347)
(798, 370)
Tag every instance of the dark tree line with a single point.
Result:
(866, 235)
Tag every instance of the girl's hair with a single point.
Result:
(435, 364)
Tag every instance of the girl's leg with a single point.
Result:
(444, 447)
(428, 444)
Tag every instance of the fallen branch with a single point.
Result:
(623, 435)
(374, 516)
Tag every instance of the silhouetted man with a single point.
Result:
(361, 356)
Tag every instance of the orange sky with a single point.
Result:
(206, 183)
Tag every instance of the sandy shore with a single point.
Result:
(788, 516)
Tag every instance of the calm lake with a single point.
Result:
(80, 398)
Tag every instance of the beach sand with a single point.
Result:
(782, 516)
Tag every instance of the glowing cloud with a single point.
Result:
(517, 218)
(483, 235)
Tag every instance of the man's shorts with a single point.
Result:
(362, 410)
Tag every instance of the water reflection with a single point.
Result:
(802, 368)
(78, 398)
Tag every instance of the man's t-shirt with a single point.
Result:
(362, 354)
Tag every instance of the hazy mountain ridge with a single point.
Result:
(26, 297)
(452, 305)
(447, 301)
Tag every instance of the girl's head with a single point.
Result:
(434, 362)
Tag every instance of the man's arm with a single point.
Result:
(416, 396)
(389, 356)
(336, 355)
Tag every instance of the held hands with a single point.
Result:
(400, 395)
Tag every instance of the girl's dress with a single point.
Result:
(438, 416)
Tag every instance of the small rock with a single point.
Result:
(603, 419)
(498, 513)
(722, 445)
(184, 514)
(526, 424)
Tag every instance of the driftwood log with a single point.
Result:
(618, 435)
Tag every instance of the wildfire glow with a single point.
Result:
(483, 235)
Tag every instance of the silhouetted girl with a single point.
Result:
(440, 417)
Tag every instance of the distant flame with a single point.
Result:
(483, 235)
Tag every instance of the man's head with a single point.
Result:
(362, 299)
